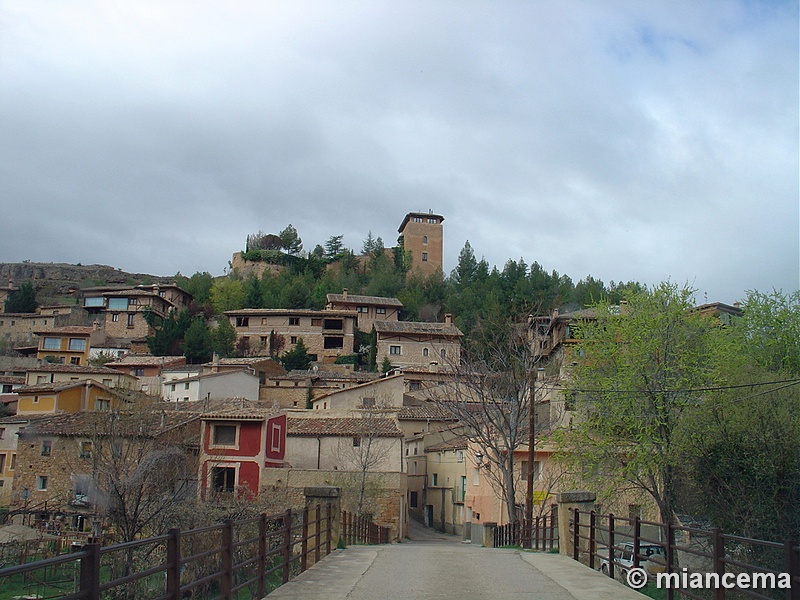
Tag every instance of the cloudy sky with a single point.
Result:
(627, 140)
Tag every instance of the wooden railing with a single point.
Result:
(540, 534)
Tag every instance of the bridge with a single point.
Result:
(433, 565)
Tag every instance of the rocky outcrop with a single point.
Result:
(61, 277)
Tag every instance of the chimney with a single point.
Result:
(448, 319)
(215, 363)
(344, 294)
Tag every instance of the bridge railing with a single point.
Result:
(539, 534)
(357, 529)
(229, 560)
(615, 545)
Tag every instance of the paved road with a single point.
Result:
(431, 565)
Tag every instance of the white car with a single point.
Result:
(623, 558)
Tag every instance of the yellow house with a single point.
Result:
(65, 345)
(67, 397)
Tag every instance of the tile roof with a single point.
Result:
(457, 443)
(343, 427)
(67, 330)
(64, 368)
(429, 411)
(371, 300)
(146, 360)
(299, 312)
(417, 327)
(99, 423)
(330, 375)
(59, 386)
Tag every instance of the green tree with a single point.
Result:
(198, 285)
(291, 240)
(771, 330)
(168, 332)
(334, 246)
(637, 380)
(223, 338)
(23, 299)
(252, 292)
(227, 294)
(386, 365)
(197, 343)
(297, 358)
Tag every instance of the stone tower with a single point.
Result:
(421, 233)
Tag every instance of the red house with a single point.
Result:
(235, 445)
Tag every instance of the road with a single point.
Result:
(431, 565)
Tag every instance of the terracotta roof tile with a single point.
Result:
(343, 427)
(368, 300)
(444, 329)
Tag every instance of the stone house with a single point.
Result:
(294, 389)
(326, 334)
(146, 369)
(419, 345)
(120, 310)
(68, 397)
(19, 328)
(369, 308)
(63, 373)
(61, 458)
(226, 384)
(67, 345)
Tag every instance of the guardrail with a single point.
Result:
(229, 561)
(539, 534)
(616, 544)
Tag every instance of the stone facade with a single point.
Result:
(423, 236)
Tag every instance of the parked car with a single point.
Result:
(652, 558)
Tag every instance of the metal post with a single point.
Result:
(304, 543)
(328, 528)
(287, 544)
(611, 545)
(670, 558)
(318, 536)
(90, 572)
(719, 562)
(226, 584)
(637, 542)
(174, 562)
(262, 555)
(592, 525)
(576, 535)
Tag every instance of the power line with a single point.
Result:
(790, 382)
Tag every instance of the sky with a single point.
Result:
(627, 140)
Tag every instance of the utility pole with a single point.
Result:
(534, 375)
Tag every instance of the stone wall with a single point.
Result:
(385, 493)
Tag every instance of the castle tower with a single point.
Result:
(422, 234)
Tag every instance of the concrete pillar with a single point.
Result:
(325, 495)
(567, 502)
(488, 534)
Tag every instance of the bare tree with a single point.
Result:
(489, 393)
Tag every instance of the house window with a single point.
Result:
(368, 402)
(334, 324)
(242, 321)
(432, 221)
(293, 339)
(186, 386)
(333, 342)
(131, 319)
(52, 343)
(424, 352)
(223, 479)
(77, 344)
(139, 371)
(115, 318)
(117, 304)
(47, 447)
(263, 320)
(224, 435)
(316, 322)
(460, 456)
(13, 464)
(424, 257)
(380, 310)
(443, 353)
(434, 479)
(476, 476)
(417, 219)
(424, 239)
(75, 360)
(2, 433)
(356, 442)
(294, 320)
(413, 500)
(394, 350)
(102, 404)
(133, 301)
(108, 382)
(414, 386)
(2, 463)
(363, 309)
(41, 483)
(93, 302)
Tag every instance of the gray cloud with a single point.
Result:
(627, 141)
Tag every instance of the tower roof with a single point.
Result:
(411, 215)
